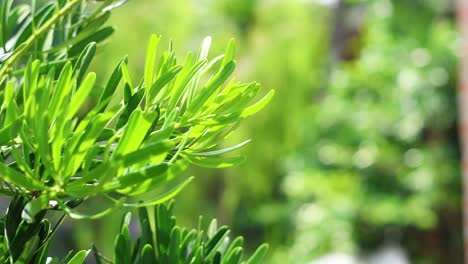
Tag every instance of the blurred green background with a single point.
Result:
(357, 151)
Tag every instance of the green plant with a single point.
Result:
(61, 146)
(170, 243)
(163, 123)
(381, 144)
(278, 50)
(22, 242)
(53, 31)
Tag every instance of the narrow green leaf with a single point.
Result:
(97, 37)
(173, 250)
(130, 107)
(212, 162)
(212, 228)
(148, 185)
(152, 171)
(106, 134)
(123, 247)
(113, 82)
(109, 5)
(63, 89)
(165, 195)
(188, 239)
(29, 89)
(83, 62)
(150, 61)
(234, 256)
(258, 255)
(237, 242)
(11, 131)
(161, 81)
(128, 93)
(198, 257)
(229, 53)
(103, 173)
(212, 85)
(215, 241)
(64, 259)
(147, 255)
(151, 153)
(28, 251)
(33, 207)
(81, 95)
(19, 179)
(205, 48)
(42, 139)
(76, 215)
(235, 97)
(79, 257)
(136, 130)
(258, 105)
(217, 258)
(146, 230)
(4, 16)
(137, 248)
(126, 74)
(126, 219)
(162, 134)
(10, 104)
(164, 222)
(182, 82)
(75, 155)
(221, 151)
(209, 66)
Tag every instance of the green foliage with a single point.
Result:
(381, 148)
(168, 120)
(170, 243)
(285, 46)
(50, 31)
(61, 145)
(22, 242)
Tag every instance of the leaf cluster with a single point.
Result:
(65, 138)
(56, 154)
(22, 242)
(52, 31)
(170, 243)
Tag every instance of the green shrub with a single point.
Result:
(169, 243)
(381, 145)
(65, 139)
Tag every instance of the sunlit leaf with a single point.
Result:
(150, 61)
(212, 162)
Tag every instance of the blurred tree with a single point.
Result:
(241, 12)
(380, 160)
(462, 11)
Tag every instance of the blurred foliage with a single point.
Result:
(359, 146)
(380, 161)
